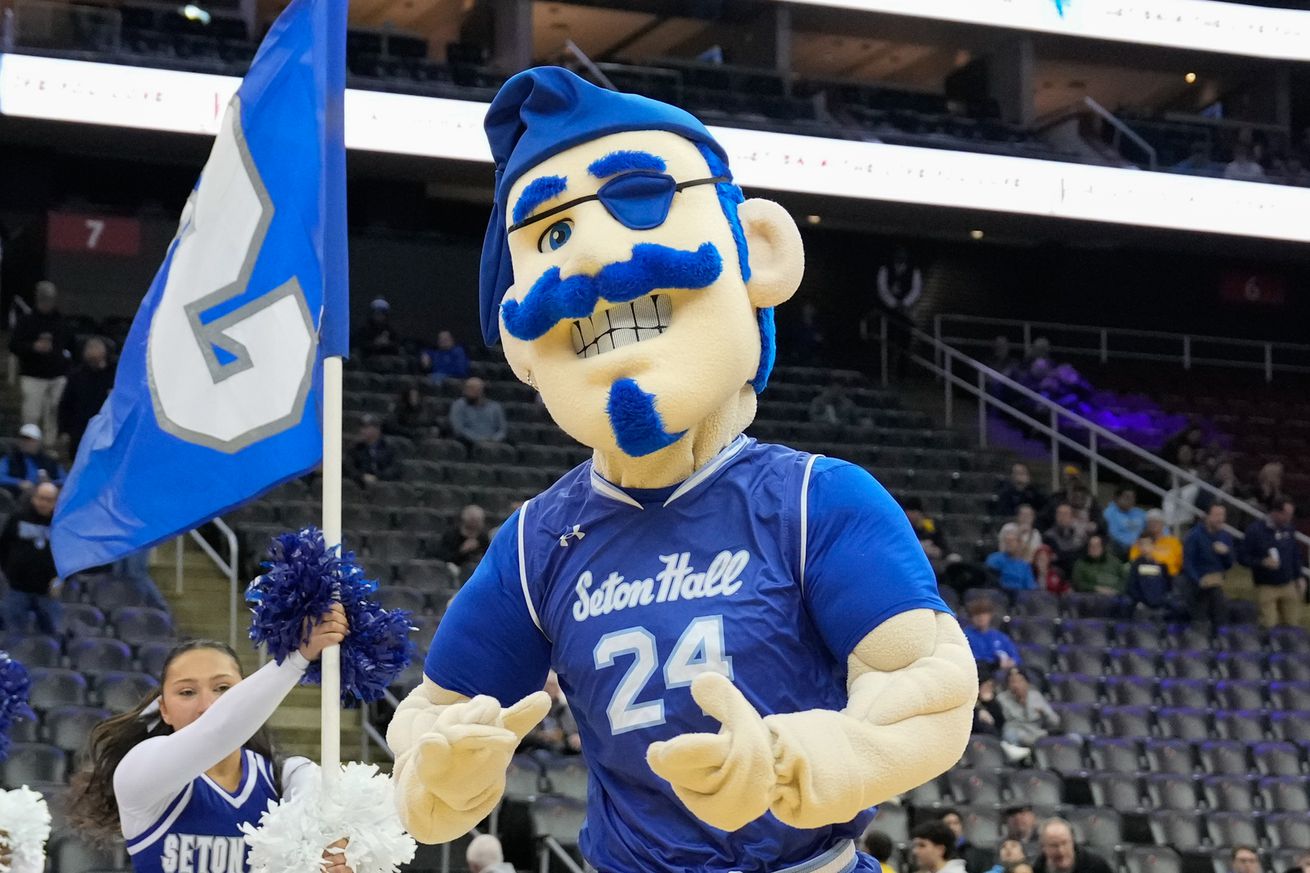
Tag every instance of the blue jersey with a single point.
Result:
(767, 565)
(200, 830)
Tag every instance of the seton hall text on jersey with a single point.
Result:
(199, 853)
(679, 580)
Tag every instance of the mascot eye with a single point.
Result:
(556, 235)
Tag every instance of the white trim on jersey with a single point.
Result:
(251, 776)
(805, 514)
(608, 489)
(134, 846)
(523, 570)
(726, 454)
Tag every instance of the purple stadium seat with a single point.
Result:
(1077, 659)
(1177, 827)
(1290, 695)
(1133, 662)
(1114, 754)
(1277, 758)
(1127, 721)
(975, 786)
(140, 624)
(1185, 692)
(401, 597)
(1289, 639)
(1141, 635)
(1037, 602)
(1288, 830)
(1190, 636)
(71, 853)
(1073, 688)
(1239, 638)
(96, 654)
(982, 825)
(33, 762)
(123, 691)
(1102, 829)
(1240, 665)
(1284, 793)
(1152, 859)
(1229, 793)
(1087, 632)
(1076, 718)
(1246, 725)
(33, 650)
(1182, 664)
(1289, 668)
(1038, 631)
(1130, 690)
(1233, 829)
(894, 821)
(69, 726)
(1037, 656)
(151, 657)
(1088, 606)
(1171, 791)
(1239, 694)
(1168, 756)
(1037, 786)
(983, 752)
(930, 794)
(83, 619)
(113, 592)
(1223, 756)
(1059, 753)
(53, 686)
(1121, 791)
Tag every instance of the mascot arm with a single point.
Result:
(912, 687)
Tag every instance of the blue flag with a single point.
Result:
(218, 394)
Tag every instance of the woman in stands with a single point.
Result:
(179, 774)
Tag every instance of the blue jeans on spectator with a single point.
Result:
(19, 606)
(136, 568)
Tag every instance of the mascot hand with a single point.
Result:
(725, 779)
(462, 759)
(820, 756)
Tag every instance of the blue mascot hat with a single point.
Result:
(542, 112)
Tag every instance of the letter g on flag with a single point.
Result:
(243, 375)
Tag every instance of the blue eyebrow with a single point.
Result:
(536, 193)
(626, 161)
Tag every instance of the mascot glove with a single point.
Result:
(725, 779)
(463, 757)
(821, 762)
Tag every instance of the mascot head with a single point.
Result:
(629, 280)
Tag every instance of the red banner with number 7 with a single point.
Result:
(92, 234)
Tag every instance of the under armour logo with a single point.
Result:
(575, 533)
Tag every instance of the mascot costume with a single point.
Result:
(750, 637)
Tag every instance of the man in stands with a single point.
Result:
(1021, 826)
(879, 845)
(1013, 573)
(1245, 859)
(1149, 582)
(476, 418)
(27, 464)
(1124, 521)
(557, 732)
(484, 855)
(932, 849)
(40, 342)
(1275, 561)
(1023, 526)
(447, 361)
(988, 644)
(930, 535)
(1066, 537)
(465, 543)
(85, 393)
(1018, 490)
(29, 565)
(976, 858)
(1207, 555)
(1166, 548)
(371, 458)
(1061, 855)
(377, 336)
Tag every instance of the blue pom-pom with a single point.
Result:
(302, 579)
(15, 686)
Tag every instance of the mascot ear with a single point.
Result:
(776, 255)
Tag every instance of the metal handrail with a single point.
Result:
(1109, 118)
(1057, 414)
(228, 568)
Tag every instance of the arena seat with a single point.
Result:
(1130, 690)
(1132, 662)
(55, 686)
(1288, 830)
(34, 650)
(1141, 635)
(565, 776)
(33, 762)
(1073, 688)
(141, 624)
(1232, 829)
(1063, 754)
(1177, 827)
(1100, 828)
(1168, 756)
(1246, 725)
(1185, 692)
(1076, 718)
(1183, 723)
(1114, 754)
(984, 751)
(83, 619)
(112, 592)
(1171, 791)
(1037, 786)
(928, 795)
(1230, 793)
(1152, 859)
(123, 691)
(151, 657)
(982, 825)
(1277, 758)
(1239, 694)
(976, 786)
(1186, 664)
(401, 597)
(1223, 756)
(1248, 666)
(1284, 793)
(1127, 721)
(1289, 668)
(1023, 629)
(98, 654)
(72, 854)
(68, 726)
(1290, 695)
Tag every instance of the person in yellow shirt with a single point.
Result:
(1166, 548)
(878, 844)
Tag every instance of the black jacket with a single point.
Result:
(49, 365)
(83, 396)
(25, 554)
(1084, 861)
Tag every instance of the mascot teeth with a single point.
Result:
(621, 325)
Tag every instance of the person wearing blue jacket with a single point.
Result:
(988, 644)
(28, 464)
(1272, 554)
(1208, 554)
(1013, 572)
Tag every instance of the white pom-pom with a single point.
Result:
(25, 818)
(294, 831)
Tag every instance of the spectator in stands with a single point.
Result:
(1207, 555)
(1245, 859)
(833, 406)
(1008, 854)
(485, 855)
(29, 564)
(1023, 526)
(1270, 550)
(371, 458)
(1021, 826)
(1198, 161)
(28, 465)
(466, 542)
(932, 849)
(974, 857)
(476, 418)
(805, 341)
(1268, 485)
(409, 418)
(879, 846)
(1225, 479)
(1097, 570)
(1192, 435)
(40, 342)
(900, 287)
(557, 733)
(1061, 855)
(1028, 717)
(377, 336)
(1166, 548)
(136, 569)
(1003, 359)
(447, 361)
(1047, 571)
(1017, 491)
(1124, 520)
(990, 646)
(930, 535)
(1244, 167)
(987, 715)
(1013, 572)
(85, 393)
(1149, 582)
(1066, 537)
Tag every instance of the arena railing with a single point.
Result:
(1065, 430)
(228, 566)
(1105, 344)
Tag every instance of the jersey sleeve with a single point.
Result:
(488, 641)
(863, 563)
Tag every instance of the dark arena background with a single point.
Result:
(1056, 300)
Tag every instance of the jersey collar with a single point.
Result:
(606, 488)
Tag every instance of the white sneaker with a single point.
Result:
(1014, 753)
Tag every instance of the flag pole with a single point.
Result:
(330, 705)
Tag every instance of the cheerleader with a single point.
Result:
(178, 775)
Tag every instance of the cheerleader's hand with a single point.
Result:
(330, 630)
(334, 858)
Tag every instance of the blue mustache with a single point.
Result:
(652, 266)
(637, 425)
